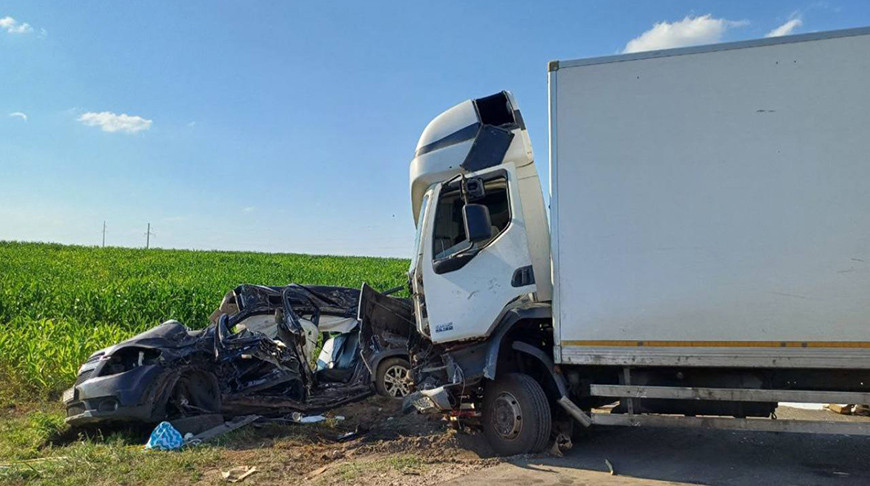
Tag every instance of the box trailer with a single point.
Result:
(706, 255)
(711, 205)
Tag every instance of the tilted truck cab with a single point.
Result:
(706, 255)
(477, 153)
(480, 275)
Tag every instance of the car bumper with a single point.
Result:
(128, 396)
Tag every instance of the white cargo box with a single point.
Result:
(710, 206)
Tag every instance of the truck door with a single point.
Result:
(468, 284)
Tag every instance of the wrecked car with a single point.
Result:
(257, 356)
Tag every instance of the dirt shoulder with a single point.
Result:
(373, 442)
(386, 446)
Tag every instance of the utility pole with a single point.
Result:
(148, 235)
(104, 233)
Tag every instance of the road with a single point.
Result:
(692, 456)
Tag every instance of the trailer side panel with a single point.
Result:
(713, 207)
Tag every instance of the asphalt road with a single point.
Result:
(695, 456)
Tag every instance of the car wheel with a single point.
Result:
(194, 393)
(516, 415)
(393, 378)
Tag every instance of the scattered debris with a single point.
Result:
(223, 428)
(317, 472)
(309, 419)
(164, 438)
(610, 466)
(332, 455)
(848, 408)
(346, 436)
(197, 424)
(360, 429)
(561, 444)
(287, 452)
(238, 473)
(841, 408)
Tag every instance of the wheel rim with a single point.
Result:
(507, 417)
(397, 381)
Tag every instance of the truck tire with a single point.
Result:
(393, 378)
(516, 415)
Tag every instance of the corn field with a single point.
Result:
(59, 304)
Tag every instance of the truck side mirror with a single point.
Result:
(478, 225)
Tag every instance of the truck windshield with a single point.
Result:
(417, 248)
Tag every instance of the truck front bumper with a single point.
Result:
(429, 401)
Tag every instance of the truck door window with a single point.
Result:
(449, 229)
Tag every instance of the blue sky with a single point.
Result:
(289, 127)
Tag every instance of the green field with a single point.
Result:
(59, 304)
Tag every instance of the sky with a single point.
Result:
(289, 127)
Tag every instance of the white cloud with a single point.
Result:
(18, 114)
(13, 26)
(249, 209)
(690, 31)
(111, 122)
(786, 28)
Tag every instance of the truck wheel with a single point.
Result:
(393, 378)
(516, 415)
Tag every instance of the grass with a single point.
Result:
(36, 447)
(33, 450)
(59, 304)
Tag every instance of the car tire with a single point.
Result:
(195, 392)
(393, 378)
(516, 415)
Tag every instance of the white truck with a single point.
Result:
(707, 253)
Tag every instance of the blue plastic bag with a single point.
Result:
(165, 438)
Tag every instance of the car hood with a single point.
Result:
(169, 335)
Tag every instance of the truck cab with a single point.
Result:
(481, 224)
(480, 272)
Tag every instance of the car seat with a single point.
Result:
(342, 353)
